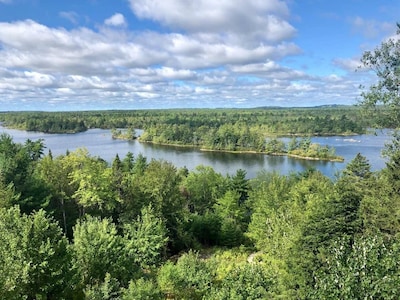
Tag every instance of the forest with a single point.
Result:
(177, 125)
(76, 227)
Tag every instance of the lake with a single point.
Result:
(100, 143)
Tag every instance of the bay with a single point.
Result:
(99, 142)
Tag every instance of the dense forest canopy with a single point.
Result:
(139, 229)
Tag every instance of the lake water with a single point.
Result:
(100, 143)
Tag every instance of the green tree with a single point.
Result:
(17, 165)
(271, 219)
(380, 208)
(359, 167)
(232, 216)
(146, 238)
(34, 257)
(98, 250)
(94, 180)
(159, 186)
(204, 186)
(8, 196)
(275, 146)
(246, 282)
(240, 184)
(190, 278)
(56, 173)
(365, 269)
(142, 289)
(109, 289)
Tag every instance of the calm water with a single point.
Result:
(99, 143)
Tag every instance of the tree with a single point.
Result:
(384, 61)
(56, 174)
(146, 238)
(366, 269)
(34, 258)
(7, 194)
(159, 186)
(143, 289)
(98, 250)
(359, 167)
(232, 216)
(94, 180)
(17, 165)
(204, 186)
(109, 289)
(271, 219)
(190, 278)
(246, 282)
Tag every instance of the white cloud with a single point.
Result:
(348, 64)
(210, 53)
(117, 20)
(30, 45)
(251, 21)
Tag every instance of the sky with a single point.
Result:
(149, 54)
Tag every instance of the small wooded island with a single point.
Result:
(127, 134)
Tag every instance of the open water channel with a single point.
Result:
(100, 143)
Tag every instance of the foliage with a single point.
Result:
(129, 227)
(146, 238)
(98, 250)
(384, 61)
(246, 282)
(34, 258)
(190, 278)
(109, 289)
(365, 269)
(143, 289)
(234, 127)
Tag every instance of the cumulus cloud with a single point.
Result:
(117, 20)
(348, 64)
(251, 21)
(32, 45)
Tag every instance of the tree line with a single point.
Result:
(266, 121)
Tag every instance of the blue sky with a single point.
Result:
(135, 54)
